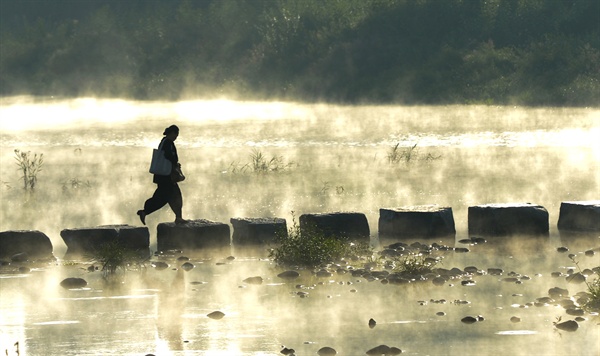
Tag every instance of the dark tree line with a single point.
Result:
(530, 52)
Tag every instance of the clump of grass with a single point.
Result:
(311, 247)
(75, 184)
(396, 154)
(415, 264)
(29, 166)
(113, 256)
(261, 164)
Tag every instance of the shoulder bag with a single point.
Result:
(160, 164)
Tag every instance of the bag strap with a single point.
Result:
(160, 146)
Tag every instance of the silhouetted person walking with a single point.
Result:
(167, 190)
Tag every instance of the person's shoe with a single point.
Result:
(142, 215)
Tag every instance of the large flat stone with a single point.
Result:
(257, 231)
(508, 219)
(195, 235)
(35, 244)
(581, 216)
(420, 221)
(351, 225)
(87, 240)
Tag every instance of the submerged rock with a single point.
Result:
(557, 293)
(287, 351)
(289, 275)
(379, 350)
(73, 282)
(576, 278)
(253, 280)
(569, 325)
(469, 320)
(326, 351)
(216, 315)
(159, 265)
(515, 319)
(187, 266)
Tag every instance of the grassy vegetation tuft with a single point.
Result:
(114, 256)
(261, 164)
(415, 263)
(310, 247)
(29, 166)
(396, 154)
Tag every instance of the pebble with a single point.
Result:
(576, 278)
(569, 325)
(372, 323)
(289, 275)
(253, 280)
(159, 265)
(187, 266)
(326, 351)
(515, 319)
(469, 320)
(216, 315)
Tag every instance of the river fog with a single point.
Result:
(321, 158)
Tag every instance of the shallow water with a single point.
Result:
(333, 159)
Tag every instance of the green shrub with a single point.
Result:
(310, 247)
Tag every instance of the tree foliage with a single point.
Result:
(531, 52)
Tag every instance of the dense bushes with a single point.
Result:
(429, 51)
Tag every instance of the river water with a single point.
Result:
(324, 158)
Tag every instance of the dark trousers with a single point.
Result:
(166, 192)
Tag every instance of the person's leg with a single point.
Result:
(176, 204)
(159, 199)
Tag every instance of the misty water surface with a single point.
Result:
(331, 158)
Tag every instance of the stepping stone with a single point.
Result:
(350, 225)
(198, 234)
(508, 219)
(421, 221)
(88, 240)
(579, 216)
(33, 243)
(257, 231)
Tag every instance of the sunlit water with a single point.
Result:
(332, 158)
